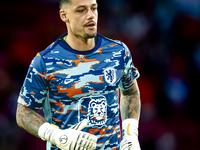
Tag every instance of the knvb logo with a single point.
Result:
(110, 75)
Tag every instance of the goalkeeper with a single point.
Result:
(76, 81)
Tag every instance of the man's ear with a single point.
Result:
(63, 15)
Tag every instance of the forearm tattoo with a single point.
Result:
(29, 119)
(130, 104)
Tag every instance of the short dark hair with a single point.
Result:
(61, 2)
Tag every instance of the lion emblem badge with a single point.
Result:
(97, 111)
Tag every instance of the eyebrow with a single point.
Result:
(80, 6)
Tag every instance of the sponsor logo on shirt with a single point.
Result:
(97, 111)
(67, 81)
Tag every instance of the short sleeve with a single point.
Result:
(34, 89)
(130, 72)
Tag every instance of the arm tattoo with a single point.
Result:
(29, 119)
(130, 104)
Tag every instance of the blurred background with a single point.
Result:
(164, 39)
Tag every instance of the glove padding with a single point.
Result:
(130, 135)
(69, 139)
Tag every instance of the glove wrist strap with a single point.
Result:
(46, 131)
(130, 127)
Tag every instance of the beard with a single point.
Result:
(89, 35)
(83, 34)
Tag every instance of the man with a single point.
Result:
(76, 82)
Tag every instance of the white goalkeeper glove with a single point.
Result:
(130, 135)
(68, 139)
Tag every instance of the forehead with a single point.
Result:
(77, 3)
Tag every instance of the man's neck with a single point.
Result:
(80, 44)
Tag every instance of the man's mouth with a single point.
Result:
(90, 25)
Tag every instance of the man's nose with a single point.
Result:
(91, 14)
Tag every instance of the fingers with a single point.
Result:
(84, 141)
(81, 148)
(130, 143)
(86, 145)
(126, 145)
(81, 125)
(89, 137)
(87, 141)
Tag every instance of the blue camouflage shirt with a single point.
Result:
(70, 86)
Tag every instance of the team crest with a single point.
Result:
(110, 75)
(97, 111)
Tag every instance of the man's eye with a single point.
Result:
(94, 8)
(81, 10)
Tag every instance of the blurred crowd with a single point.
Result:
(164, 39)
